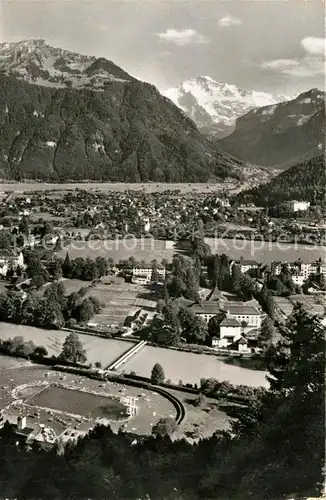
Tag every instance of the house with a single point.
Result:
(243, 313)
(242, 345)
(230, 327)
(298, 206)
(10, 262)
(246, 265)
(205, 310)
(215, 342)
(143, 275)
(298, 279)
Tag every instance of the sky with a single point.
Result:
(266, 45)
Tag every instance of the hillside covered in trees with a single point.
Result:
(275, 451)
(125, 132)
(280, 135)
(306, 181)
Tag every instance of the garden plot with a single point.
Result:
(116, 299)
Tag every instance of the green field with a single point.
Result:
(148, 249)
(78, 403)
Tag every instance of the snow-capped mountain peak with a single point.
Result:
(37, 62)
(216, 105)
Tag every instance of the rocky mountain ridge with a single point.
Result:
(34, 61)
(282, 134)
(65, 116)
(215, 106)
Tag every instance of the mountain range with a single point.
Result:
(280, 135)
(215, 106)
(67, 116)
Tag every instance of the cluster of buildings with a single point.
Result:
(11, 262)
(144, 275)
(300, 271)
(240, 328)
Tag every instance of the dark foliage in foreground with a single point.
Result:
(277, 448)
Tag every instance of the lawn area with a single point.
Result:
(72, 286)
(148, 249)
(141, 249)
(78, 403)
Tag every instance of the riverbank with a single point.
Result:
(178, 365)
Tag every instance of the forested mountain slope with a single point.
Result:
(65, 116)
(306, 181)
(280, 135)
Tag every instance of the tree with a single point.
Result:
(197, 332)
(165, 427)
(155, 275)
(214, 324)
(40, 351)
(66, 266)
(73, 350)
(38, 280)
(86, 311)
(157, 375)
(299, 356)
(267, 332)
(200, 400)
(23, 226)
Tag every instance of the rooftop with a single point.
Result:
(206, 307)
(243, 310)
(230, 322)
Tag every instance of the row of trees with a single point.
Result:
(18, 347)
(72, 349)
(52, 309)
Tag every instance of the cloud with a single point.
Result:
(227, 21)
(313, 45)
(310, 64)
(96, 25)
(182, 37)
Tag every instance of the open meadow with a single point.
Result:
(150, 187)
(148, 249)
